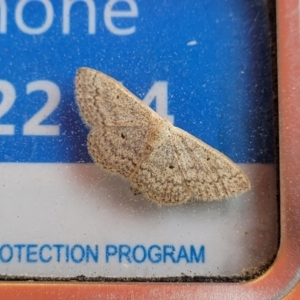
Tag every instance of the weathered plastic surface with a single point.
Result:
(281, 280)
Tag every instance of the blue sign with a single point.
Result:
(205, 65)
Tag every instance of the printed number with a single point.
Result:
(8, 98)
(33, 126)
(159, 92)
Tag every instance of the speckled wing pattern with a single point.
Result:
(160, 177)
(163, 162)
(209, 174)
(104, 101)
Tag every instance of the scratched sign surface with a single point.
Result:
(205, 66)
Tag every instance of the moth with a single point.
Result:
(163, 162)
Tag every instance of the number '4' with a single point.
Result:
(159, 92)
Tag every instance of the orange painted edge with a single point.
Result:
(294, 294)
(280, 280)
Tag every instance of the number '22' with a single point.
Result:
(33, 125)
